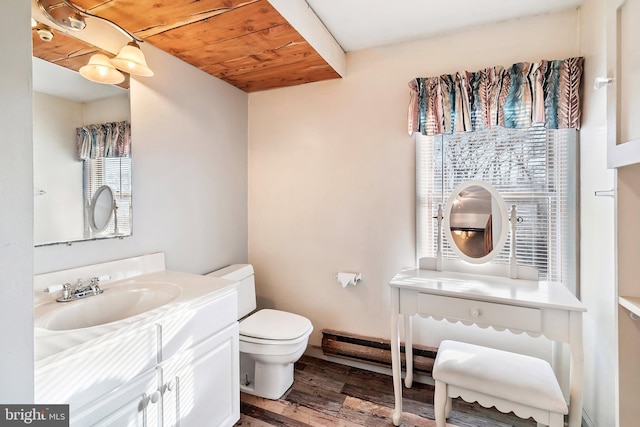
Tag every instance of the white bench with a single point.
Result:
(510, 382)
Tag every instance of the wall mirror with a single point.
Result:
(65, 185)
(476, 222)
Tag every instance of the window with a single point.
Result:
(534, 169)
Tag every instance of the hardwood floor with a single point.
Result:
(330, 394)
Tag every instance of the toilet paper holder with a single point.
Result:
(345, 278)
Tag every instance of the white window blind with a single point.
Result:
(534, 169)
(116, 173)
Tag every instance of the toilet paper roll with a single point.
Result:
(347, 278)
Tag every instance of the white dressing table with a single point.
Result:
(519, 305)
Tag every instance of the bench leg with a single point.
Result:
(556, 420)
(440, 402)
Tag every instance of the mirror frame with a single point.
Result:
(100, 194)
(503, 226)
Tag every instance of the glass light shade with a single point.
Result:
(131, 60)
(100, 70)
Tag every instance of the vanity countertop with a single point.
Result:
(488, 288)
(194, 290)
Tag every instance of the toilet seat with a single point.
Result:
(273, 326)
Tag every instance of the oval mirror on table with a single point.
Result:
(476, 221)
(101, 209)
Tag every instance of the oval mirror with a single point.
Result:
(101, 209)
(476, 221)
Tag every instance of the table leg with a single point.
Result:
(408, 350)
(395, 355)
(576, 370)
(557, 363)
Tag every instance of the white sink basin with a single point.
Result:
(127, 303)
(116, 303)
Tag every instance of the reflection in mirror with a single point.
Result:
(476, 222)
(101, 209)
(62, 102)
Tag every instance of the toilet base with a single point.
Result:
(267, 380)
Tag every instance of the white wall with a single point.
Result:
(189, 151)
(58, 214)
(106, 110)
(16, 191)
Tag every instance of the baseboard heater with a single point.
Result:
(374, 350)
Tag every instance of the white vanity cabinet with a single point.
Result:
(200, 386)
(132, 405)
(200, 371)
(179, 367)
(84, 376)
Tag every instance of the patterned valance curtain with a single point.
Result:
(104, 140)
(516, 97)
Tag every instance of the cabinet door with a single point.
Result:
(200, 321)
(133, 405)
(201, 385)
(623, 95)
(92, 370)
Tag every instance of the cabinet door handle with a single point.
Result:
(155, 396)
(144, 402)
(169, 386)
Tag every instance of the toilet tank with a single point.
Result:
(243, 274)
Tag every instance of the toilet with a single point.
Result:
(271, 341)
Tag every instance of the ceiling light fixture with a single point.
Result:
(101, 70)
(465, 234)
(63, 13)
(130, 58)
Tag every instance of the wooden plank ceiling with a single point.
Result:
(246, 43)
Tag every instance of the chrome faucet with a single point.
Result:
(79, 291)
(83, 291)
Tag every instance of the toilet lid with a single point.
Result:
(274, 325)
